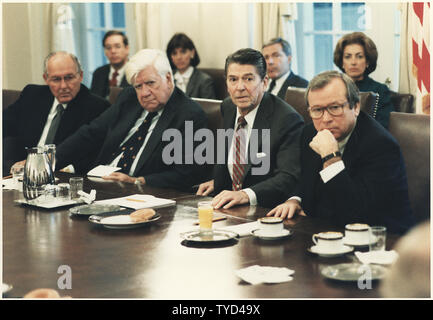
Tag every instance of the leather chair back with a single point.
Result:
(403, 102)
(114, 92)
(9, 97)
(296, 98)
(213, 112)
(219, 79)
(412, 132)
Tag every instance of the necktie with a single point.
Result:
(131, 147)
(239, 160)
(113, 81)
(271, 86)
(54, 125)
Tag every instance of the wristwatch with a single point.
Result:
(331, 155)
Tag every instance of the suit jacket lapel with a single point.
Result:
(191, 83)
(262, 121)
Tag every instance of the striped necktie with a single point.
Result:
(131, 147)
(239, 160)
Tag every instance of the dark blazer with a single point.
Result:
(384, 105)
(200, 85)
(371, 189)
(24, 120)
(285, 126)
(292, 81)
(100, 82)
(106, 133)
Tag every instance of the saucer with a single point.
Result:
(344, 249)
(259, 234)
(353, 243)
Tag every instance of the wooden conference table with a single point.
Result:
(154, 261)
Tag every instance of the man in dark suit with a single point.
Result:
(278, 55)
(132, 133)
(276, 144)
(49, 114)
(352, 169)
(116, 50)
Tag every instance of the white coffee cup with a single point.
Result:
(330, 241)
(271, 225)
(357, 233)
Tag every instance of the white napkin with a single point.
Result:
(257, 274)
(9, 184)
(243, 229)
(88, 198)
(377, 257)
(102, 170)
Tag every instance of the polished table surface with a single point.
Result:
(154, 261)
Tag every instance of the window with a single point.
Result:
(318, 29)
(92, 21)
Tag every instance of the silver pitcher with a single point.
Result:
(38, 173)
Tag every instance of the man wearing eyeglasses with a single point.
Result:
(130, 134)
(48, 114)
(352, 169)
(278, 56)
(116, 50)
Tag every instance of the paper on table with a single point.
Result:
(243, 229)
(9, 184)
(139, 201)
(377, 257)
(257, 274)
(102, 170)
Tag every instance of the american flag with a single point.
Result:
(419, 18)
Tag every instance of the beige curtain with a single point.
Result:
(217, 29)
(270, 21)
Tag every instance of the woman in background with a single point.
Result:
(184, 59)
(356, 55)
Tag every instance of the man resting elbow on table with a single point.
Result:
(352, 169)
(268, 166)
(130, 134)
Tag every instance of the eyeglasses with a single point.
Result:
(68, 78)
(335, 110)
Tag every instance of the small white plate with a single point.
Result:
(352, 243)
(285, 233)
(344, 250)
(119, 221)
(6, 288)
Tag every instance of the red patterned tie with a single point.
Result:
(239, 160)
(113, 81)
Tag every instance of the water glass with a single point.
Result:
(50, 149)
(63, 191)
(76, 184)
(377, 238)
(17, 171)
(205, 215)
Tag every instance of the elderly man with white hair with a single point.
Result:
(129, 135)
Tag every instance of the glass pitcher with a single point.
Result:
(38, 173)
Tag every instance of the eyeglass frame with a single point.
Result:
(68, 78)
(322, 109)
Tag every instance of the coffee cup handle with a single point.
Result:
(314, 238)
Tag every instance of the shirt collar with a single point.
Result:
(249, 118)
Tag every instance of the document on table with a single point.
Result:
(139, 201)
(102, 170)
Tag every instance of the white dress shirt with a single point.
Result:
(182, 79)
(131, 132)
(50, 118)
(279, 83)
(249, 118)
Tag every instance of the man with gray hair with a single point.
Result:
(48, 114)
(129, 135)
(278, 56)
(352, 169)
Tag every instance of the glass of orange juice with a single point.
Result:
(205, 214)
